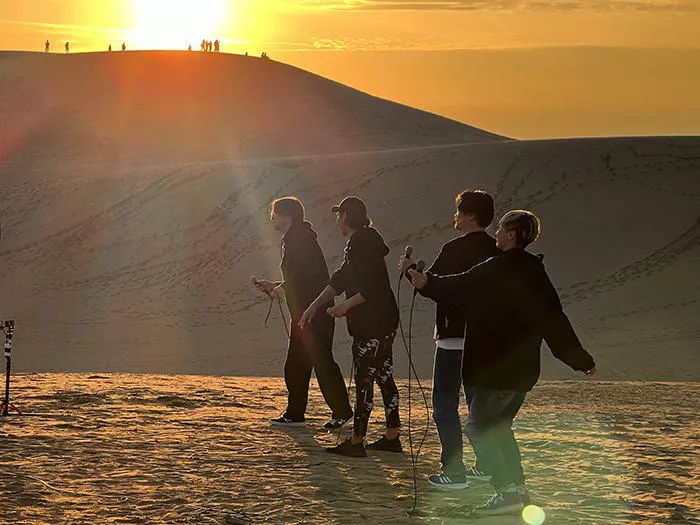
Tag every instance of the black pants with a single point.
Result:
(312, 349)
(373, 360)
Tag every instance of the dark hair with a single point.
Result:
(357, 222)
(524, 223)
(477, 202)
(289, 207)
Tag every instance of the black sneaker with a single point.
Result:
(445, 482)
(346, 448)
(287, 422)
(503, 502)
(524, 494)
(476, 474)
(387, 445)
(336, 423)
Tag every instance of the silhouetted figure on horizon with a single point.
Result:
(203, 46)
(67, 47)
(246, 53)
(217, 45)
(209, 46)
(124, 46)
(47, 46)
(109, 49)
(189, 48)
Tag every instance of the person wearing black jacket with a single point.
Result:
(511, 307)
(473, 215)
(305, 274)
(372, 319)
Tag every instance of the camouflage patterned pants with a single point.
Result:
(374, 361)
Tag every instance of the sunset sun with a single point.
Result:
(174, 24)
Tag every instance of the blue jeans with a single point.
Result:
(490, 429)
(447, 386)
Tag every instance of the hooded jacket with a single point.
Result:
(304, 268)
(511, 306)
(364, 271)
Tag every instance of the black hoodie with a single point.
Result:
(364, 271)
(304, 268)
(511, 306)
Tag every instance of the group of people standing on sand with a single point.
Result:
(494, 305)
(47, 47)
(208, 46)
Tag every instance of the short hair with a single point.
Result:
(477, 202)
(524, 223)
(289, 207)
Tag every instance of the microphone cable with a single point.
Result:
(408, 346)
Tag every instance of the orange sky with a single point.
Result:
(524, 68)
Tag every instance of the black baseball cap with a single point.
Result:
(353, 206)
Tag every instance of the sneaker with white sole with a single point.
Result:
(524, 494)
(444, 482)
(284, 421)
(336, 423)
(502, 502)
(476, 474)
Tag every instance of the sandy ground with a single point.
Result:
(186, 449)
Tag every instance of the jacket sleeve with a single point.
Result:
(559, 334)
(455, 288)
(339, 279)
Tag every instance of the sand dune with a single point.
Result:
(134, 210)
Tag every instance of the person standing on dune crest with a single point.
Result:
(511, 307)
(305, 274)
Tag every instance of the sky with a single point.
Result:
(522, 68)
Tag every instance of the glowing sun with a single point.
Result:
(175, 24)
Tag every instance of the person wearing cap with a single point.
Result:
(473, 215)
(305, 274)
(511, 307)
(372, 318)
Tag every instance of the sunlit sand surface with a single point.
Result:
(196, 449)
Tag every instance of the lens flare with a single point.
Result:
(533, 515)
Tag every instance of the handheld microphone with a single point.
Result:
(420, 266)
(255, 280)
(408, 251)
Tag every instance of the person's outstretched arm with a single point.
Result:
(326, 295)
(454, 288)
(560, 335)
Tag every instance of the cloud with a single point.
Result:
(65, 28)
(504, 5)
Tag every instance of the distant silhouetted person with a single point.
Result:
(209, 46)
(246, 53)
(109, 48)
(189, 48)
(217, 45)
(203, 46)
(67, 47)
(47, 46)
(124, 46)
